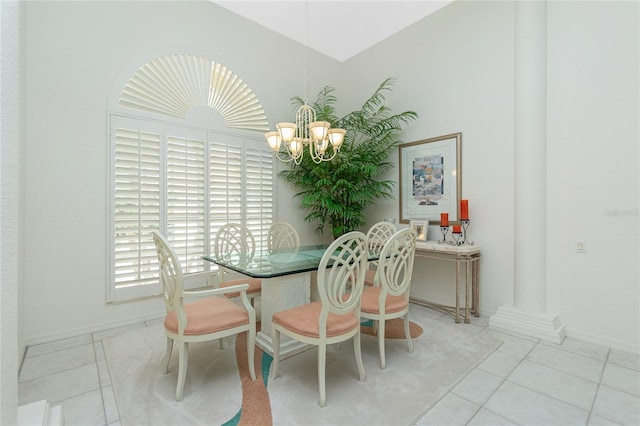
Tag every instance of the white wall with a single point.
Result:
(593, 183)
(11, 336)
(456, 69)
(78, 55)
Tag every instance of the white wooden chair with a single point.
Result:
(236, 241)
(283, 236)
(336, 316)
(377, 236)
(211, 317)
(389, 297)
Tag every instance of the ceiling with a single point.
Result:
(338, 28)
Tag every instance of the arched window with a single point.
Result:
(182, 179)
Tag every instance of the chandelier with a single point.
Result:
(322, 141)
(288, 141)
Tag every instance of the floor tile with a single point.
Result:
(516, 346)
(564, 387)
(623, 379)
(53, 362)
(527, 407)
(580, 347)
(486, 418)
(100, 335)
(567, 362)
(617, 406)
(59, 386)
(101, 362)
(84, 410)
(450, 410)
(500, 364)
(57, 345)
(624, 359)
(600, 421)
(110, 404)
(478, 386)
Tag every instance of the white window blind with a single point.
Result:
(186, 183)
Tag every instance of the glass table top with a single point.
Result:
(267, 264)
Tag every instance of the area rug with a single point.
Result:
(218, 390)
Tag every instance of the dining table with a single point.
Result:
(286, 276)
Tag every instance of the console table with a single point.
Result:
(469, 255)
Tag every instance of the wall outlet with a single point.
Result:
(581, 246)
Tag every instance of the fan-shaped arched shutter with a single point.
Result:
(174, 84)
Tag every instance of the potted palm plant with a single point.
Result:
(336, 193)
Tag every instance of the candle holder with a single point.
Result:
(445, 231)
(465, 225)
(457, 238)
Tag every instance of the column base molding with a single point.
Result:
(545, 326)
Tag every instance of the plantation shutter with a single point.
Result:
(185, 183)
(259, 193)
(225, 188)
(186, 202)
(136, 207)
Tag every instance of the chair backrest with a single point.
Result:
(395, 266)
(234, 240)
(283, 237)
(171, 276)
(378, 235)
(341, 275)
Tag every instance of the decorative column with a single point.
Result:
(528, 313)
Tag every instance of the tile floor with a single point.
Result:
(525, 382)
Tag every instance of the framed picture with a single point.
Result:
(431, 178)
(421, 227)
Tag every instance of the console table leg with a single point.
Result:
(467, 289)
(457, 317)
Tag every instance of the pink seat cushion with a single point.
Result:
(255, 286)
(207, 316)
(370, 297)
(369, 276)
(304, 320)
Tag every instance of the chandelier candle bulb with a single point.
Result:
(464, 209)
(444, 219)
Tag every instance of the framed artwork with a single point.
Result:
(431, 178)
(421, 227)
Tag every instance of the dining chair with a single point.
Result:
(211, 317)
(377, 236)
(389, 297)
(235, 241)
(336, 316)
(283, 236)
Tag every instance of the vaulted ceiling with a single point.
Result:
(339, 29)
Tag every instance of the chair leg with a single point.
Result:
(322, 362)
(275, 337)
(358, 351)
(381, 332)
(407, 334)
(183, 360)
(251, 349)
(167, 356)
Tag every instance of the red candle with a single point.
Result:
(444, 219)
(464, 209)
(457, 229)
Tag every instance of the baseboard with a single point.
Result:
(545, 326)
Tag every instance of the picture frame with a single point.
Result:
(421, 226)
(431, 178)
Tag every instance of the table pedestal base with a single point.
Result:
(279, 294)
